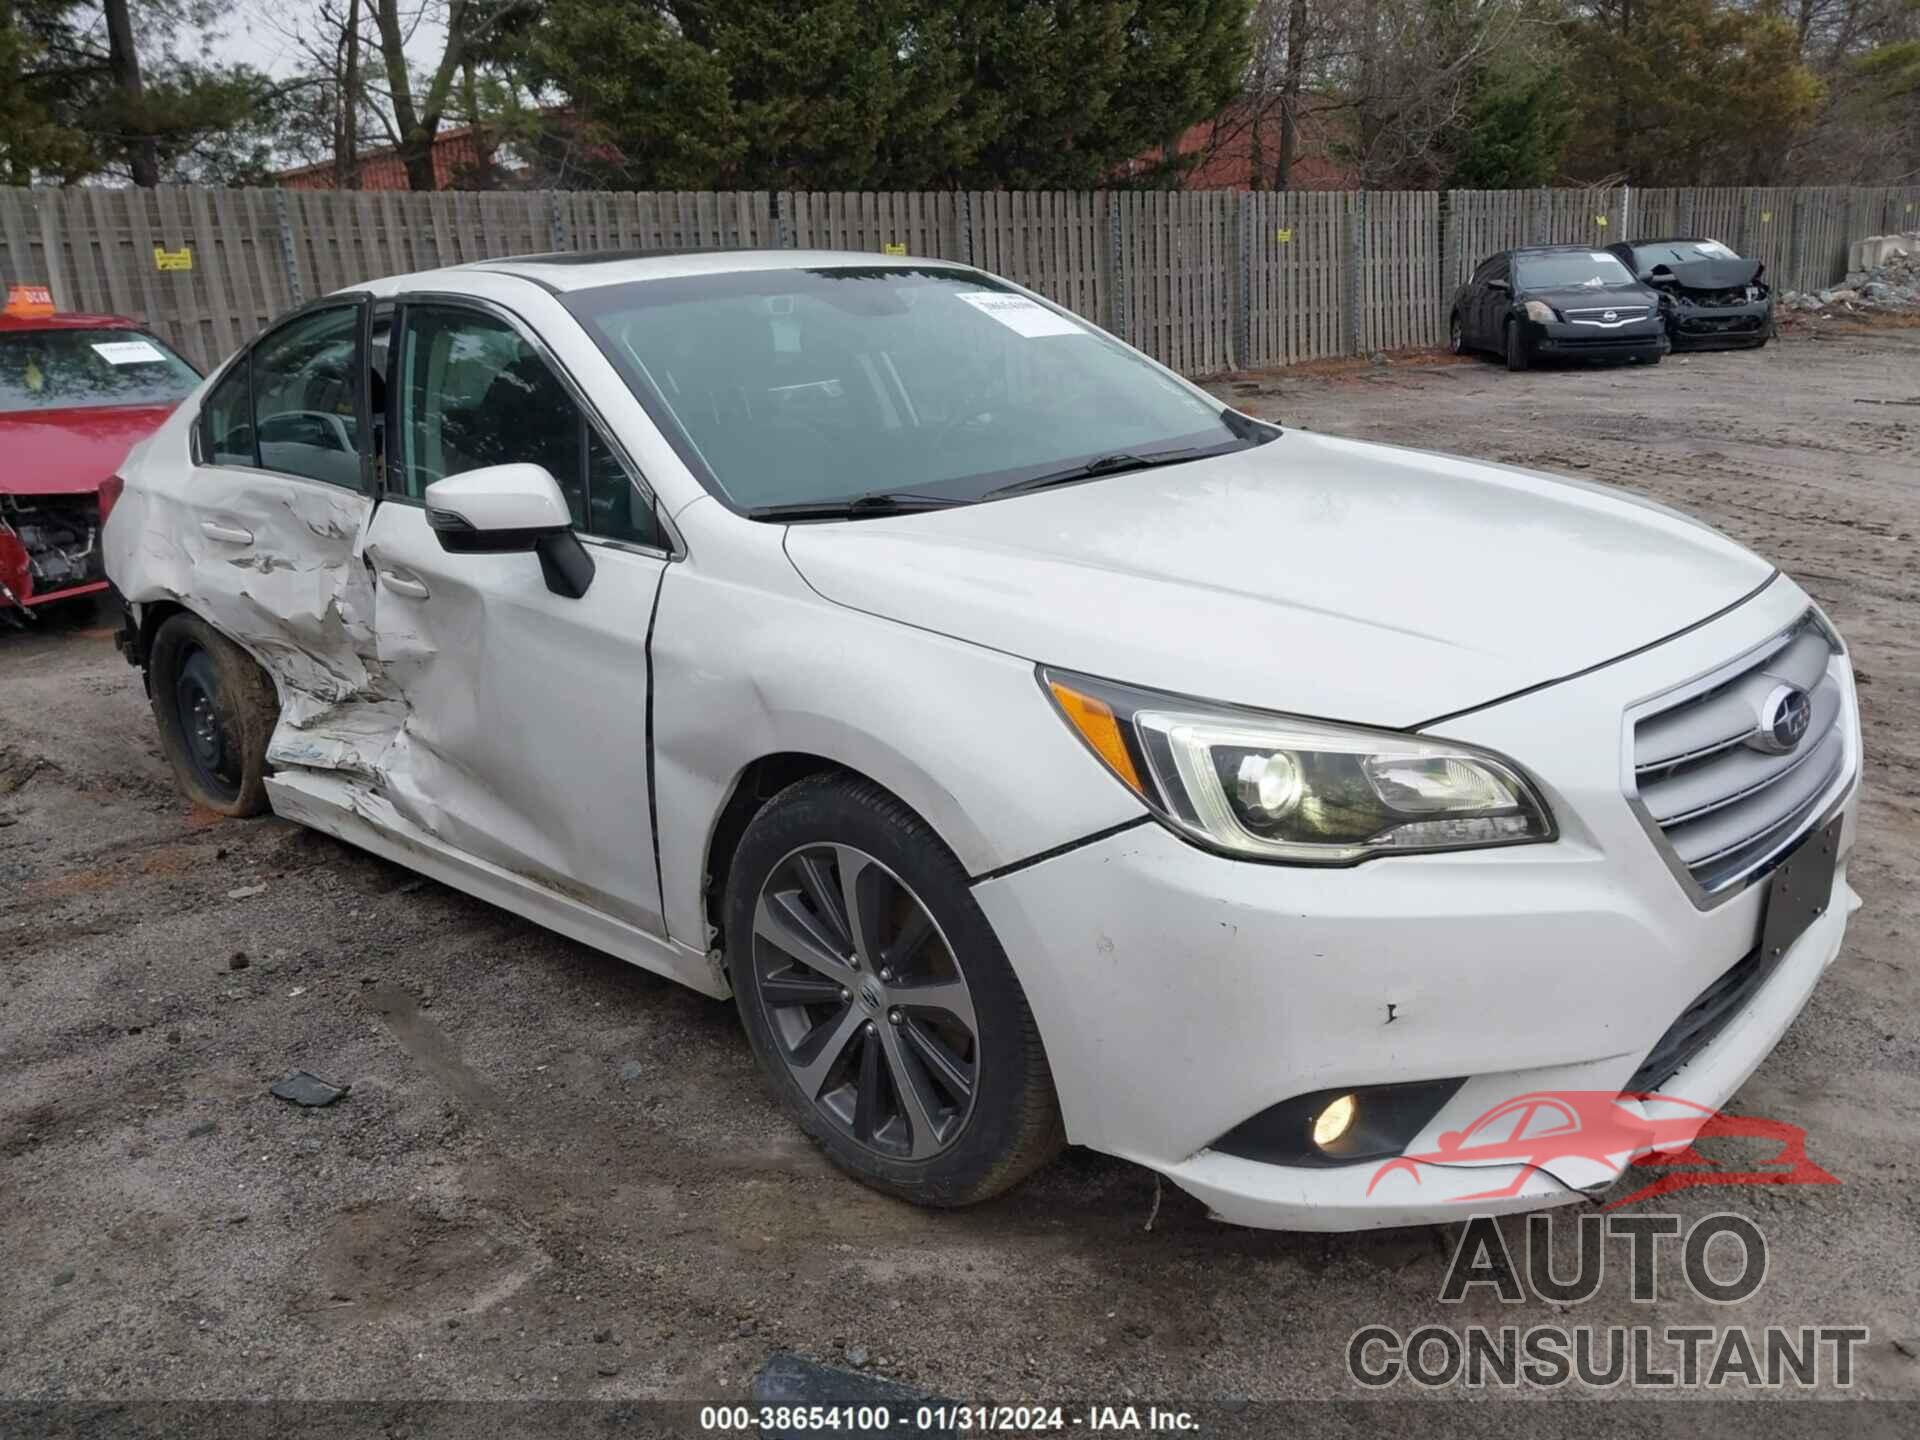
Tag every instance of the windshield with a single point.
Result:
(794, 386)
(1571, 270)
(61, 369)
(1681, 252)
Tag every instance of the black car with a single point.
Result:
(1709, 296)
(1557, 301)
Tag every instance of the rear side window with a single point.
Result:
(228, 418)
(304, 379)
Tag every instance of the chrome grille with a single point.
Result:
(1721, 797)
(1599, 315)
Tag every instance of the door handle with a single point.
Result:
(225, 534)
(403, 584)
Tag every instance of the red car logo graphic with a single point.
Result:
(1538, 1130)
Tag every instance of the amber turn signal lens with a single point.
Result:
(1094, 720)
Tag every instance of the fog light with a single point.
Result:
(1333, 1122)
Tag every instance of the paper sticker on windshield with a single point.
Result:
(1599, 257)
(1019, 314)
(1715, 249)
(129, 352)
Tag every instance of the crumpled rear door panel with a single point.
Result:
(273, 562)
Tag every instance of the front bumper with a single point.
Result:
(1636, 340)
(1708, 327)
(1179, 993)
(49, 550)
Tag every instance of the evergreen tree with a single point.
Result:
(879, 94)
(1687, 92)
(80, 99)
(1517, 128)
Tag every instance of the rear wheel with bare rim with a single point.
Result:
(216, 710)
(878, 1002)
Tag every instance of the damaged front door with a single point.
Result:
(279, 499)
(524, 740)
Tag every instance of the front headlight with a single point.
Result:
(1541, 311)
(1278, 788)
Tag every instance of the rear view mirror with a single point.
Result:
(510, 509)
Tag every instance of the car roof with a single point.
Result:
(1555, 249)
(67, 320)
(571, 270)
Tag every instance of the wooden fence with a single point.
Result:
(1205, 281)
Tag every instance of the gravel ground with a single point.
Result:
(556, 1176)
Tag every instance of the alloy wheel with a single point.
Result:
(866, 1001)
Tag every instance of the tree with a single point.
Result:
(1515, 132)
(72, 108)
(1687, 92)
(1406, 75)
(840, 94)
(413, 107)
(38, 134)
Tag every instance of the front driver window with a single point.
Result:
(474, 393)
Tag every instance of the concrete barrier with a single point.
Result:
(1876, 250)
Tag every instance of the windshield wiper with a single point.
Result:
(1115, 464)
(873, 504)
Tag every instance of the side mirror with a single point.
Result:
(508, 510)
(1505, 285)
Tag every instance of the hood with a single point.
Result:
(1591, 297)
(1324, 577)
(1705, 274)
(65, 452)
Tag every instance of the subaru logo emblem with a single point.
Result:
(1611, 315)
(1784, 717)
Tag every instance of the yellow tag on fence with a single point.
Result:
(1601, 221)
(1766, 217)
(891, 249)
(1284, 235)
(181, 259)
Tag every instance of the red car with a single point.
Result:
(76, 393)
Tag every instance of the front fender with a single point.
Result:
(750, 662)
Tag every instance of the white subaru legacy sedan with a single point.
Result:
(1035, 750)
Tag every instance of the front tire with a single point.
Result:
(216, 710)
(1456, 335)
(1517, 356)
(880, 1006)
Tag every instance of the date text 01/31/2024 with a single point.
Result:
(943, 1419)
